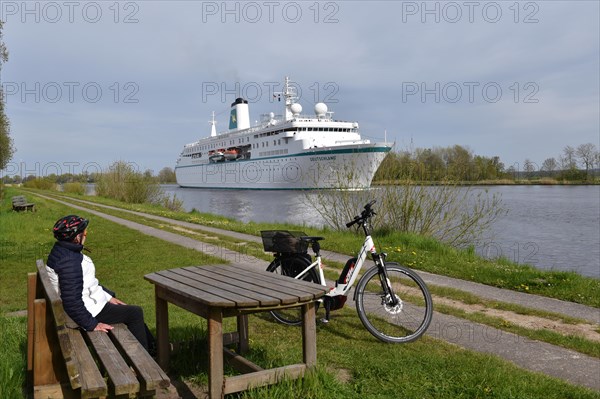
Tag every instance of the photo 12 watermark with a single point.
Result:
(469, 92)
(54, 12)
(253, 12)
(517, 252)
(454, 12)
(71, 92)
(255, 92)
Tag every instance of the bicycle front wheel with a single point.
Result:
(403, 322)
(292, 266)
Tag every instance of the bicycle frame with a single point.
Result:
(343, 288)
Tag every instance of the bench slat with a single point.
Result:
(223, 286)
(164, 279)
(149, 373)
(270, 279)
(266, 282)
(92, 382)
(121, 378)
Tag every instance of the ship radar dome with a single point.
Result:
(320, 109)
(296, 108)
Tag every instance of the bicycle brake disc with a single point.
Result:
(393, 309)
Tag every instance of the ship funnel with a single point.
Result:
(239, 118)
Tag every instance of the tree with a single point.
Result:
(6, 144)
(587, 154)
(458, 161)
(568, 160)
(528, 167)
(166, 175)
(549, 165)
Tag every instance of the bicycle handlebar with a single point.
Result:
(367, 213)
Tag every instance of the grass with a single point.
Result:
(417, 252)
(253, 249)
(351, 362)
(572, 342)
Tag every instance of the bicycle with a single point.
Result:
(392, 301)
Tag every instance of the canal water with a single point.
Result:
(549, 227)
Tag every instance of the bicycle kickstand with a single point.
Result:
(327, 304)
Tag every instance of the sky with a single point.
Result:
(91, 83)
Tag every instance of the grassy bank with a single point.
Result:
(428, 368)
(418, 252)
(542, 181)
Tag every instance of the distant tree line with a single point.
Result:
(165, 175)
(460, 164)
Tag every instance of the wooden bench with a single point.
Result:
(19, 203)
(64, 361)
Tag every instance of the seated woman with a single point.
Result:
(73, 274)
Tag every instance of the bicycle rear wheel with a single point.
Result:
(292, 266)
(408, 319)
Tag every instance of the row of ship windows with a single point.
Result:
(309, 129)
(273, 153)
(266, 143)
(328, 129)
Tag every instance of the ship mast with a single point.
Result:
(213, 123)
(289, 92)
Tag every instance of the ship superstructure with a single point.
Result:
(289, 151)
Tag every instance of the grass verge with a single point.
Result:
(417, 252)
(565, 339)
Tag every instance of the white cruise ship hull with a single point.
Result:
(339, 167)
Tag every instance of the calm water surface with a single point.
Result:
(549, 227)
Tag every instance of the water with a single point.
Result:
(549, 227)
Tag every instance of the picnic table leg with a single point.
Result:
(242, 328)
(309, 334)
(162, 330)
(215, 353)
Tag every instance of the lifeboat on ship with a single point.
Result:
(216, 156)
(231, 154)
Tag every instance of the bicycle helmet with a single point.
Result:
(68, 227)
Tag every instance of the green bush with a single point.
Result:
(74, 188)
(41, 183)
(123, 183)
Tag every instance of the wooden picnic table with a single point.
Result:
(218, 291)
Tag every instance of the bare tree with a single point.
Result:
(568, 160)
(528, 166)
(549, 165)
(587, 154)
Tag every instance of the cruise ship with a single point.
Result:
(291, 151)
